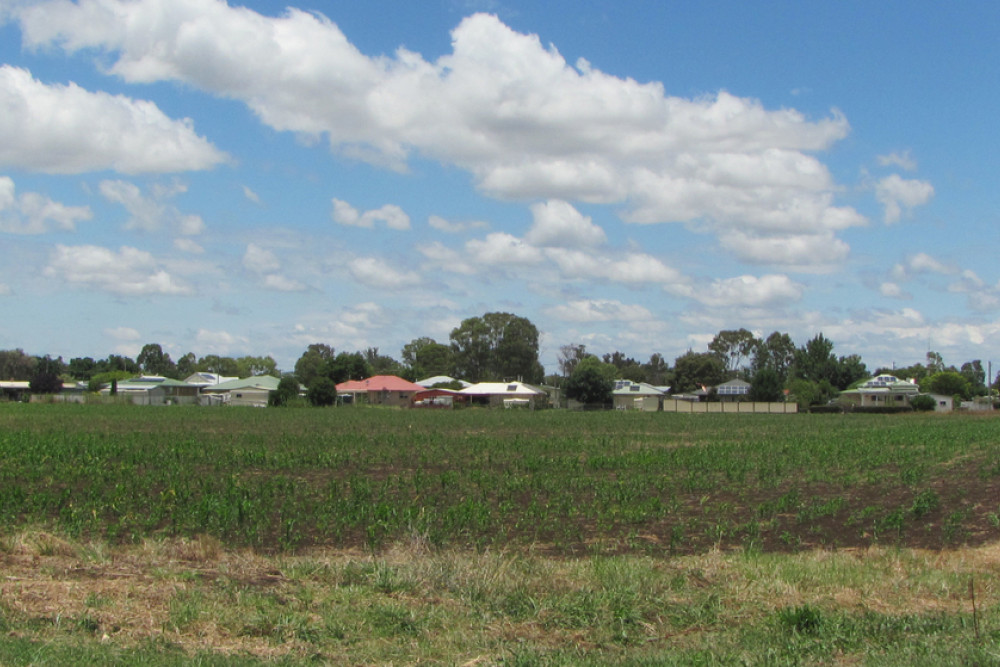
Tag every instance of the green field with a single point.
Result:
(574, 537)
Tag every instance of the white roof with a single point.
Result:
(498, 388)
(441, 379)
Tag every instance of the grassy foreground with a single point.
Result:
(198, 536)
(186, 602)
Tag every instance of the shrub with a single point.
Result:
(923, 403)
(322, 392)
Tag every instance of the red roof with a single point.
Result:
(379, 383)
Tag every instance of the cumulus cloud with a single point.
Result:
(749, 291)
(128, 271)
(920, 263)
(559, 224)
(151, 212)
(899, 195)
(509, 110)
(280, 283)
(502, 249)
(816, 253)
(32, 213)
(189, 246)
(123, 334)
(64, 129)
(260, 260)
(375, 272)
(219, 342)
(600, 310)
(893, 291)
(902, 160)
(393, 216)
(455, 226)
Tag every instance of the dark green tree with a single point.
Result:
(626, 368)
(225, 366)
(346, 366)
(154, 361)
(766, 386)
(16, 365)
(693, 370)
(81, 368)
(308, 366)
(496, 346)
(46, 379)
(777, 351)
(322, 392)
(592, 382)
(425, 357)
(947, 383)
(287, 392)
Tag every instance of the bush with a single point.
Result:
(322, 392)
(923, 403)
(287, 391)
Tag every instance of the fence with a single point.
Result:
(729, 407)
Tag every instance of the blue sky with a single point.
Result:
(242, 179)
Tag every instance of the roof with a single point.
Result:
(630, 388)
(441, 379)
(268, 382)
(734, 387)
(379, 383)
(147, 382)
(501, 388)
(204, 378)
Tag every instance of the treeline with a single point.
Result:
(503, 346)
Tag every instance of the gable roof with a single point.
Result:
(267, 382)
(501, 388)
(379, 383)
(630, 388)
(441, 379)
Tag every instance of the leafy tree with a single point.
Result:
(592, 382)
(766, 385)
(569, 356)
(287, 391)
(807, 393)
(777, 351)
(976, 376)
(81, 368)
(656, 370)
(307, 368)
(98, 380)
(117, 362)
(16, 365)
(923, 403)
(947, 383)
(250, 366)
(346, 366)
(496, 346)
(626, 368)
(213, 363)
(322, 392)
(734, 347)
(187, 365)
(816, 362)
(935, 363)
(381, 364)
(425, 358)
(850, 369)
(46, 378)
(693, 370)
(154, 361)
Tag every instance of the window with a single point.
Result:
(512, 387)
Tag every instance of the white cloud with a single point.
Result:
(902, 160)
(893, 291)
(375, 272)
(129, 271)
(123, 334)
(152, 212)
(502, 249)
(31, 213)
(816, 253)
(749, 292)
(455, 227)
(559, 224)
(5, 290)
(189, 246)
(251, 195)
(899, 195)
(393, 216)
(281, 283)
(502, 106)
(260, 260)
(920, 263)
(64, 129)
(600, 310)
(219, 342)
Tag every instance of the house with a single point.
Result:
(505, 394)
(732, 391)
(153, 390)
(438, 398)
(881, 391)
(379, 390)
(252, 391)
(206, 379)
(629, 395)
(442, 379)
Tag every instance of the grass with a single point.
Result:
(352, 536)
(412, 605)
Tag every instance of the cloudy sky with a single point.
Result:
(242, 179)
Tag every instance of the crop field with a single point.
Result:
(371, 536)
(564, 483)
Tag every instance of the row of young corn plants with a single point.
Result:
(573, 483)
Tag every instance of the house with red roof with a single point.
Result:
(379, 390)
